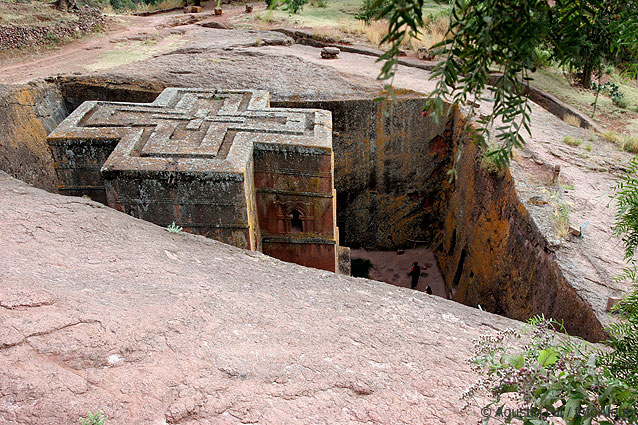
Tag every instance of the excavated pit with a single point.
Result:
(393, 192)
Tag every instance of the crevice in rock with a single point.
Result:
(47, 332)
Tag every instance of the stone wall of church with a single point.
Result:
(390, 169)
(296, 205)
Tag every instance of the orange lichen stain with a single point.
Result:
(399, 92)
(27, 130)
(489, 237)
(238, 239)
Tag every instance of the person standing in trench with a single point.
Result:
(415, 272)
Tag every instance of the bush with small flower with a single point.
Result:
(536, 375)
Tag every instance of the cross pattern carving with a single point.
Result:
(192, 129)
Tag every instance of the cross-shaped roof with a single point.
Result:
(193, 130)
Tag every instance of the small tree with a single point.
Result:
(592, 39)
(292, 6)
(496, 41)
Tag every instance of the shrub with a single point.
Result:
(360, 267)
(371, 8)
(550, 376)
(630, 144)
(489, 159)
(622, 361)
(122, 4)
(292, 6)
(613, 91)
(174, 228)
(94, 419)
(542, 57)
(621, 102)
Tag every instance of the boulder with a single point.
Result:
(330, 53)
(425, 54)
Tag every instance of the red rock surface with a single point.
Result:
(101, 311)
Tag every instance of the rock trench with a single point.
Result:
(391, 179)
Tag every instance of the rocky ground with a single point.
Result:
(101, 311)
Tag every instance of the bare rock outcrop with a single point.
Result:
(101, 311)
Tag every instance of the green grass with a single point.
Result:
(552, 80)
(125, 53)
(332, 15)
(488, 160)
(335, 14)
(572, 141)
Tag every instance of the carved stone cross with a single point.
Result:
(217, 162)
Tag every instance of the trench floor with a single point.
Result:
(393, 268)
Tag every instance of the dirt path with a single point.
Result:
(71, 57)
(128, 39)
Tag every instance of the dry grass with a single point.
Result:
(572, 120)
(318, 3)
(560, 216)
(164, 4)
(32, 14)
(350, 26)
(630, 144)
(433, 32)
(611, 137)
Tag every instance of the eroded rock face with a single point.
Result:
(99, 310)
(498, 248)
(28, 113)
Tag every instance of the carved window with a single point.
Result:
(296, 221)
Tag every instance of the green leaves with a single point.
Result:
(571, 409)
(492, 48)
(551, 376)
(516, 362)
(292, 6)
(94, 419)
(548, 357)
(488, 35)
